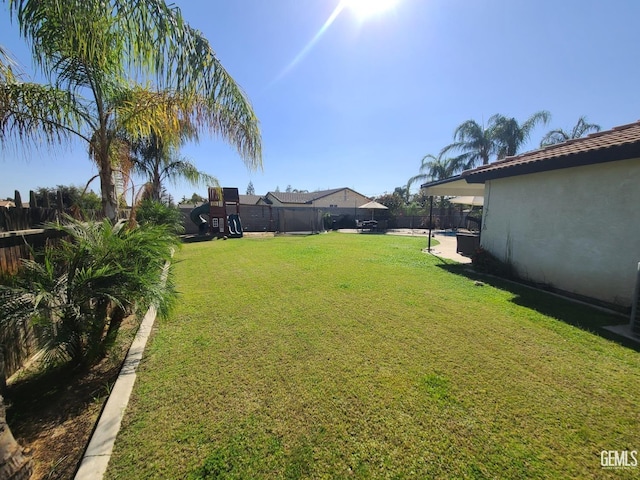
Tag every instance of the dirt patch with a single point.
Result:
(53, 415)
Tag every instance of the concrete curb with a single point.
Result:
(96, 458)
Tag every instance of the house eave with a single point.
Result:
(611, 154)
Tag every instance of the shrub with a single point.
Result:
(77, 293)
(157, 213)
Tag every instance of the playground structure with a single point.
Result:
(224, 219)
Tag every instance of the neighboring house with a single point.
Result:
(6, 204)
(251, 200)
(289, 212)
(325, 199)
(566, 215)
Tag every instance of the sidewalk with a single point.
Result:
(447, 249)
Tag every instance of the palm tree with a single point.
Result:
(14, 463)
(476, 143)
(158, 161)
(91, 50)
(436, 168)
(510, 135)
(581, 128)
(502, 137)
(403, 192)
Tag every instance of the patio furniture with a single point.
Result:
(367, 225)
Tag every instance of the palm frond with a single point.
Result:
(32, 113)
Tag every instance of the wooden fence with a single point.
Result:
(22, 232)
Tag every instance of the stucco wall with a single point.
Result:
(577, 229)
(346, 198)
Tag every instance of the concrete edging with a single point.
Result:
(96, 457)
(98, 453)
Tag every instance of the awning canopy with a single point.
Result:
(453, 186)
(374, 205)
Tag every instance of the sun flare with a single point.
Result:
(364, 9)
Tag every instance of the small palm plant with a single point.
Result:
(157, 213)
(76, 294)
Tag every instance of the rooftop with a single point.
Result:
(619, 143)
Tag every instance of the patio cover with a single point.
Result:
(453, 186)
(449, 187)
(373, 206)
(468, 200)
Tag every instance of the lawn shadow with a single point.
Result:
(193, 238)
(590, 318)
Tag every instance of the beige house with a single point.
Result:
(324, 199)
(567, 215)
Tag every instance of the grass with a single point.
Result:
(357, 356)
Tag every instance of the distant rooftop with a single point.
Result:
(290, 197)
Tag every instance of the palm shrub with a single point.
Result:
(77, 294)
(150, 211)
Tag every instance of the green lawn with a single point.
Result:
(358, 356)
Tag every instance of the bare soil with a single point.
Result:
(52, 415)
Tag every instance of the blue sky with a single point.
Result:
(371, 97)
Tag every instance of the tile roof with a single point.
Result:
(249, 199)
(619, 143)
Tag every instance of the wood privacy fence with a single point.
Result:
(22, 232)
(21, 229)
(18, 343)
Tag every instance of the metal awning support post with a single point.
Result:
(430, 222)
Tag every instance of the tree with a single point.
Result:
(195, 198)
(72, 196)
(92, 50)
(403, 192)
(510, 135)
(436, 168)
(158, 161)
(14, 464)
(250, 189)
(476, 143)
(581, 128)
(393, 201)
(502, 137)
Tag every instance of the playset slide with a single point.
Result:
(196, 217)
(235, 226)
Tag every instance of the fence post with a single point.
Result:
(17, 199)
(59, 202)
